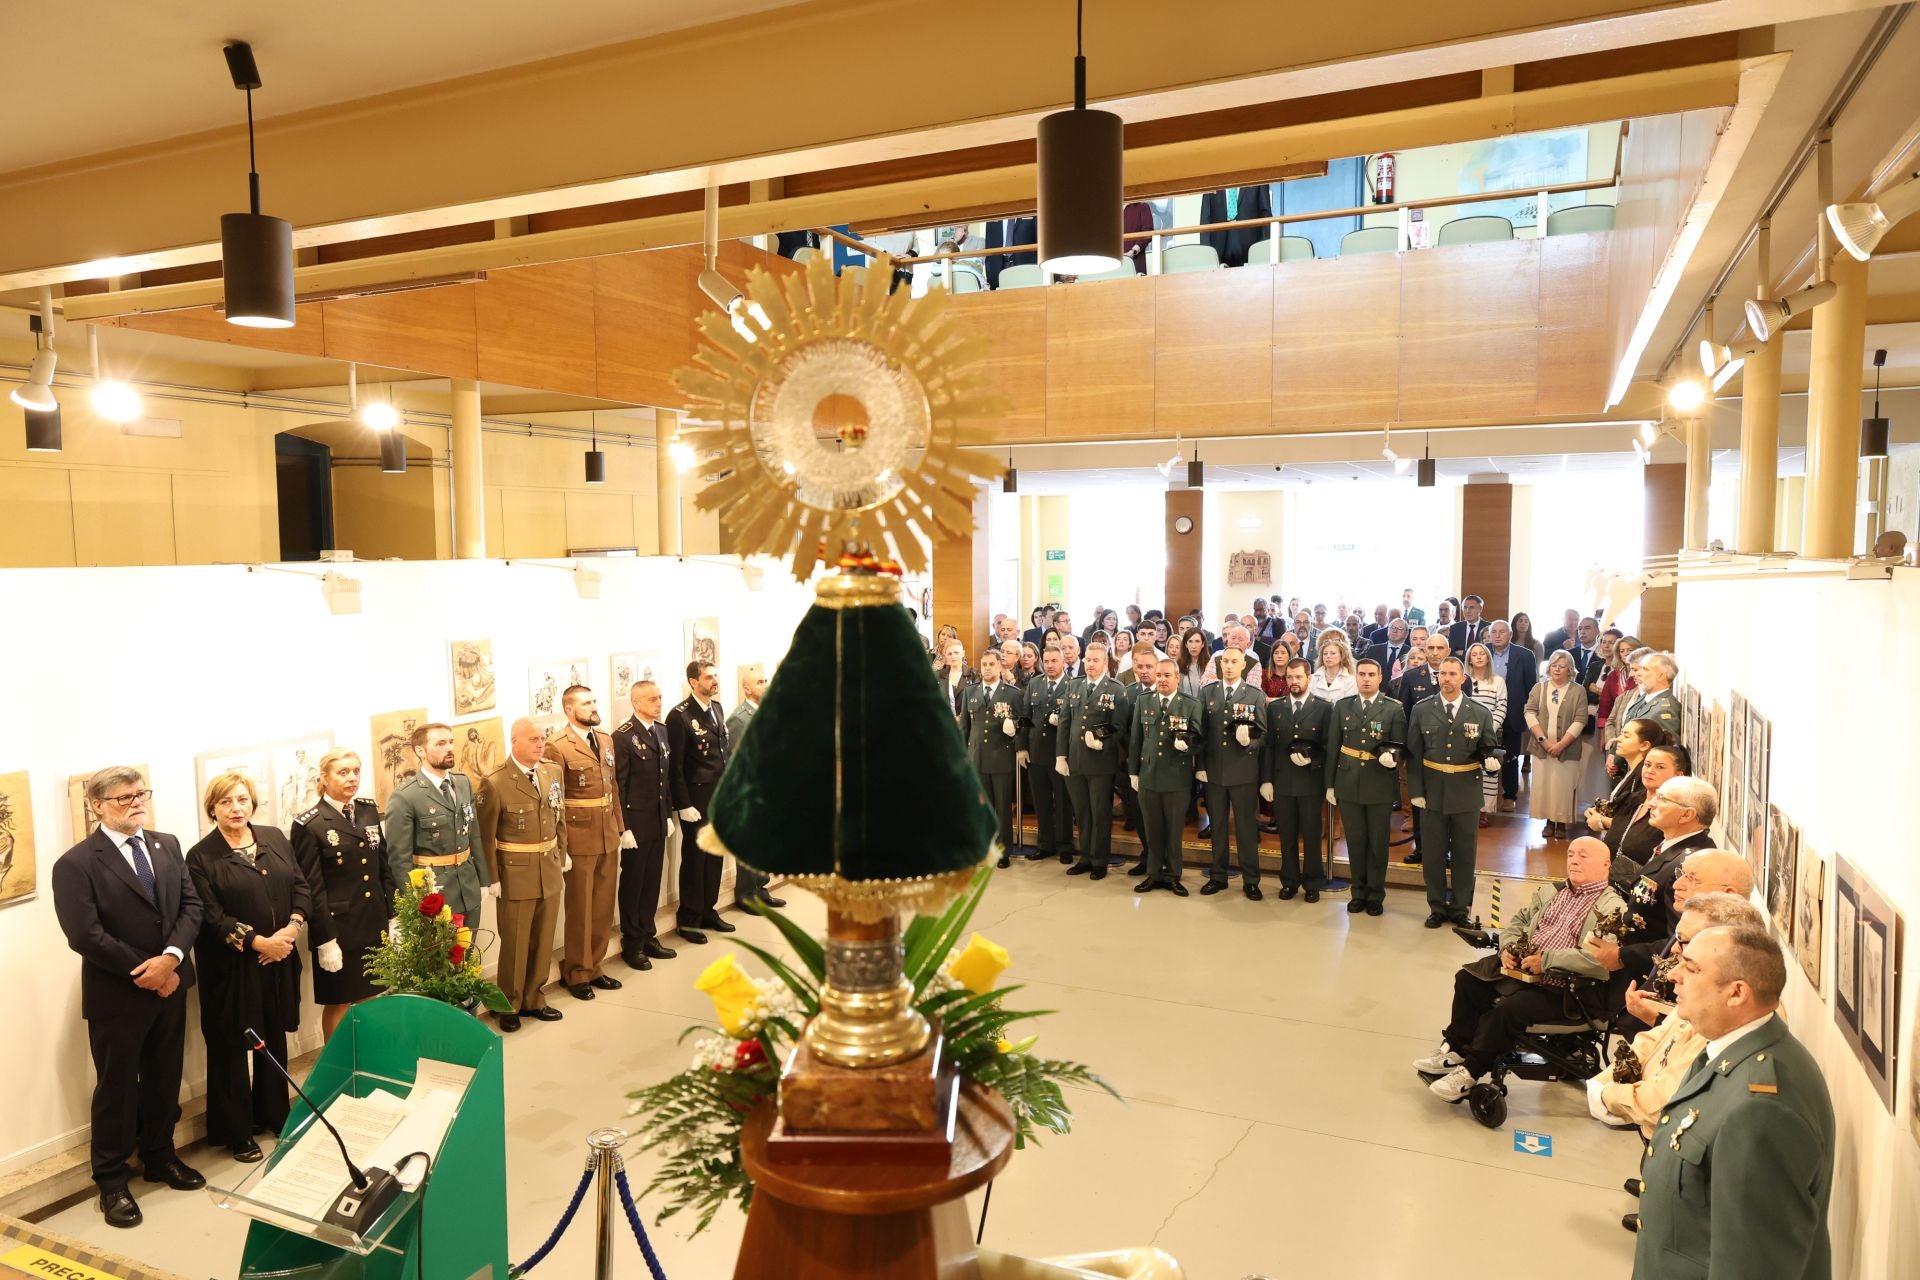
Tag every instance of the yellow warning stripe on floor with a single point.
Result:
(34, 1260)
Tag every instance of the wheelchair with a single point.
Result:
(1571, 1049)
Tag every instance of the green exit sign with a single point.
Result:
(1053, 554)
(1343, 546)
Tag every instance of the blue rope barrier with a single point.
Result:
(560, 1228)
(633, 1217)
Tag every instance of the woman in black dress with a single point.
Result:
(255, 902)
(344, 858)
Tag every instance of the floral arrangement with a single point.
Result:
(696, 1117)
(431, 951)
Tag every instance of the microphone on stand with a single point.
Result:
(259, 1046)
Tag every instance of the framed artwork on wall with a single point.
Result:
(1846, 942)
(1782, 847)
(1809, 914)
(1878, 961)
(479, 747)
(547, 681)
(471, 669)
(296, 774)
(393, 760)
(702, 640)
(17, 871)
(624, 669)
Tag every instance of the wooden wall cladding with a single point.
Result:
(1486, 544)
(1014, 324)
(1573, 319)
(431, 330)
(1100, 359)
(1213, 351)
(536, 328)
(643, 304)
(1469, 330)
(1336, 352)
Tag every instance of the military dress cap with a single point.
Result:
(1309, 747)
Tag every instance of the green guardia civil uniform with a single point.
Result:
(1052, 809)
(1101, 708)
(1444, 749)
(990, 726)
(1298, 788)
(1234, 772)
(1739, 1169)
(431, 824)
(1166, 775)
(1365, 786)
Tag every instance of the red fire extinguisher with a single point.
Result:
(1383, 178)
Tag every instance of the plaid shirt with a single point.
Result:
(1558, 928)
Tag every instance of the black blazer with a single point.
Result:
(1025, 231)
(1457, 635)
(1523, 672)
(1386, 655)
(640, 770)
(1653, 902)
(697, 753)
(111, 922)
(1232, 246)
(239, 901)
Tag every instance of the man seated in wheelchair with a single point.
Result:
(1560, 981)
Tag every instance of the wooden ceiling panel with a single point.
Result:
(425, 330)
(643, 321)
(536, 327)
(1573, 369)
(1468, 315)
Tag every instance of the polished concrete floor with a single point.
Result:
(1272, 1124)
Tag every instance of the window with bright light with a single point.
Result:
(1584, 524)
(1119, 549)
(1361, 544)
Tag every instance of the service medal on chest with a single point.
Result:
(553, 795)
(1685, 1124)
(333, 837)
(373, 837)
(1473, 731)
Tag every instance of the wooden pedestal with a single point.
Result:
(871, 1221)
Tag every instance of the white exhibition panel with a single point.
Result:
(152, 666)
(1833, 665)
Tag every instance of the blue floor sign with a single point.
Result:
(1533, 1144)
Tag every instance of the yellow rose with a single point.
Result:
(463, 936)
(979, 966)
(1005, 1045)
(446, 915)
(417, 877)
(731, 991)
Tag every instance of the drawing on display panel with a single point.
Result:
(394, 761)
(1846, 941)
(551, 727)
(256, 763)
(546, 681)
(474, 688)
(16, 839)
(703, 640)
(1782, 870)
(1809, 914)
(624, 671)
(1717, 749)
(82, 820)
(1876, 957)
(296, 774)
(479, 747)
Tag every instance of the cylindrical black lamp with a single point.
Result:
(43, 430)
(1196, 472)
(1873, 431)
(1080, 187)
(596, 466)
(256, 263)
(393, 452)
(1010, 483)
(1424, 471)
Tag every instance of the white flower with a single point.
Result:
(775, 1000)
(712, 1051)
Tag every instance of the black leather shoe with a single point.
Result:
(1176, 888)
(718, 925)
(1635, 1187)
(1138, 869)
(1460, 918)
(1146, 886)
(1355, 906)
(1203, 831)
(1068, 856)
(1004, 862)
(634, 960)
(509, 1022)
(1099, 873)
(580, 990)
(546, 1013)
(1313, 895)
(120, 1209)
(1435, 919)
(248, 1152)
(1376, 909)
(690, 934)
(1212, 887)
(652, 947)
(1287, 891)
(772, 901)
(607, 984)
(1252, 891)
(176, 1174)
(1078, 869)
(1412, 859)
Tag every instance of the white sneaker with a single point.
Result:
(1439, 1062)
(1453, 1086)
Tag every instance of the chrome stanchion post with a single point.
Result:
(605, 1145)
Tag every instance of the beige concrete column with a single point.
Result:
(469, 474)
(1699, 474)
(1833, 414)
(1759, 447)
(666, 480)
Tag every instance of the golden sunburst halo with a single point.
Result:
(831, 411)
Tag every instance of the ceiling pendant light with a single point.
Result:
(43, 430)
(1196, 472)
(1080, 184)
(1010, 483)
(1424, 477)
(113, 400)
(1873, 431)
(256, 251)
(36, 393)
(596, 460)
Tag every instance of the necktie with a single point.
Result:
(593, 742)
(1233, 203)
(1451, 707)
(143, 869)
(1699, 1064)
(532, 780)
(1163, 702)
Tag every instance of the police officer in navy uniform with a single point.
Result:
(1449, 741)
(640, 766)
(340, 845)
(1299, 726)
(697, 756)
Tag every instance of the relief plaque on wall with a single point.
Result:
(1250, 568)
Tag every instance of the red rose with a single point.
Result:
(432, 903)
(749, 1053)
(457, 953)
(458, 919)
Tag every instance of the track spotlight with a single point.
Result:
(1686, 396)
(379, 415)
(1648, 434)
(1860, 226)
(113, 400)
(43, 430)
(256, 251)
(1079, 171)
(1769, 317)
(735, 303)
(682, 455)
(37, 391)
(1873, 431)
(1166, 468)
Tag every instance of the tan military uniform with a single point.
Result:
(593, 839)
(520, 828)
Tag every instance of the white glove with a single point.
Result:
(1489, 765)
(1389, 759)
(1330, 799)
(1419, 802)
(1060, 765)
(566, 862)
(1178, 745)
(1054, 718)
(328, 957)
(1021, 758)
(627, 841)
(1093, 743)
(689, 814)
(1200, 774)
(1242, 736)
(1266, 791)
(1302, 760)
(393, 927)
(1134, 778)
(1007, 727)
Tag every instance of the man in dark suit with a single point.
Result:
(1042, 619)
(1233, 206)
(1002, 232)
(1521, 670)
(640, 770)
(1470, 628)
(127, 905)
(1377, 633)
(1391, 654)
(696, 757)
(1562, 637)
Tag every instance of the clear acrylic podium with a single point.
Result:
(455, 1224)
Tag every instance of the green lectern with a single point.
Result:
(454, 1225)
